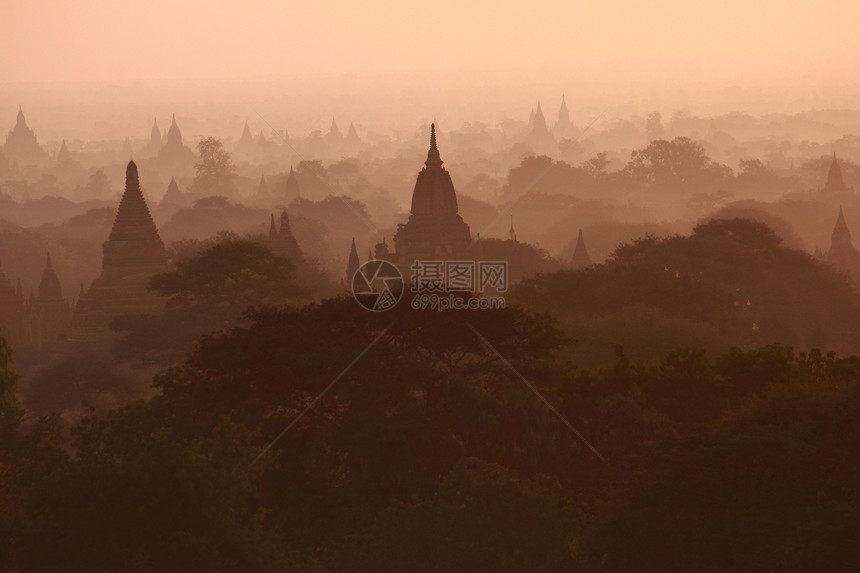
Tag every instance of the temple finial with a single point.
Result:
(433, 157)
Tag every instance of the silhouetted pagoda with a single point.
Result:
(49, 315)
(352, 137)
(155, 143)
(434, 231)
(842, 253)
(580, 259)
(835, 182)
(173, 198)
(334, 136)
(245, 145)
(292, 185)
(564, 127)
(22, 147)
(352, 264)
(172, 201)
(282, 241)
(63, 154)
(174, 155)
(539, 137)
(132, 254)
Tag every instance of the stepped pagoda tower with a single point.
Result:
(434, 231)
(132, 254)
(22, 147)
(580, 259)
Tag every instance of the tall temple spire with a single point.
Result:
(174, 136)
(539, 121)
(284, 243)
(835, 182)
(434, 229)
(841, 236)
(22, 145)
(50, 283)
(433, 157)
(434, 191)
(292, 185)
(155, 134)
(63, 154)
(134, 238)
(352, 264)
(273, 229)
(580, 259)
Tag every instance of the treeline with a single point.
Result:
(431, 454)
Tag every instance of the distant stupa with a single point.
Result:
(352, 264)
(842, 253)
(283, 243)
(564, 127)
(175, 156)
(155, 143)
(50, 317)
(22, 147)
(132, 254)
(580, 258)
(63, 154)
(291, 187)
(334, 136)
(539, 137)
(173, 197)
(835, 182)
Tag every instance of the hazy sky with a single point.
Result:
(105, 68)
(729, 40)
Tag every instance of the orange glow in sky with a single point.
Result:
(109, 41)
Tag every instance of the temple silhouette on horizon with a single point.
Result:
(434, 231)
(133, 253)
(22, 147)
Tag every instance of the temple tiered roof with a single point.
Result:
(434, 193)
(133, 242)
(434, 229)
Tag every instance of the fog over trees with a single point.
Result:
(493, 310)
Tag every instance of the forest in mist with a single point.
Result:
(458, 287)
